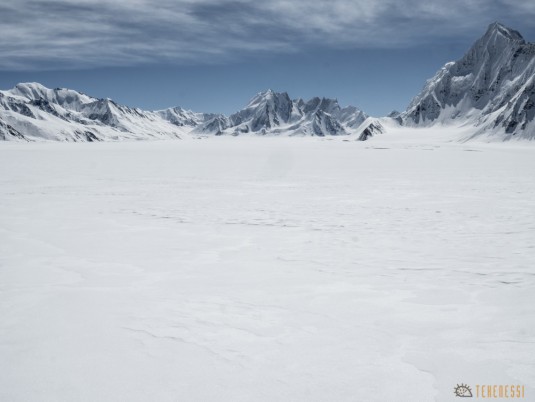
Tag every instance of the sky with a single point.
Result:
(214, 55)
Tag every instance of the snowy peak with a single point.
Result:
(68, 98)
(490, 47)
(266, 110)
(30, 90)
(497, 30)
(324, 104)
(271, 112)
(31, 111)
(490, 87)
(267, 97)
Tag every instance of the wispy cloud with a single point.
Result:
(49, 34)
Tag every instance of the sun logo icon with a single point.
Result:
(462, 391)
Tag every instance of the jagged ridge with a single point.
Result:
(272, 112)
(31, 111)
(36, 113)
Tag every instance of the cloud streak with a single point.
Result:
(57, 34)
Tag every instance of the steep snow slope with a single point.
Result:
(491, 87)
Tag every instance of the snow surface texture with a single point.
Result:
(492, 88)
(273, 269)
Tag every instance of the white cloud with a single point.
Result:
(70, 34)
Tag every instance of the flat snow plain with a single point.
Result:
(265, 269)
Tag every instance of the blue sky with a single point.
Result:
(213, 56)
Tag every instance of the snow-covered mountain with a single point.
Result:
(492, 87)
(185, 118)
(33, 112)
(272, 112)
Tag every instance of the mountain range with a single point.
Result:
(490, 89)
(31, 111)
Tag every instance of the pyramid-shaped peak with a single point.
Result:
(268, 96)
(497, 40)
(497, 28)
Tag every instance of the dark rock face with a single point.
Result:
(370, 130)
(427, 109)
(324, 124)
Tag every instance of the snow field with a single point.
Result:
(288, 269)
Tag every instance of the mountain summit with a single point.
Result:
(272, 112)
(499, 29)
(492, 87)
